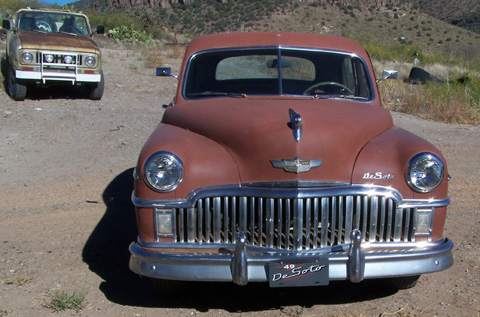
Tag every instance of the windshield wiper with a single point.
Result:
(339, 96)
(69, 33)
(215, 94)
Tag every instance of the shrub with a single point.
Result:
(125, 34)
(62, 300)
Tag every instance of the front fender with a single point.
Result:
(205, 162)
(384, 161)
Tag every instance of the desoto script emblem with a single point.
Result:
(296, 165)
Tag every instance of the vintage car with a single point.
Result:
(46, 47)
(277, 163)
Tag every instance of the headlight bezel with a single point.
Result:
(90, 61)
(174, 172)
(421, 164)
(27, 58)
(68, 59)
(49, 58)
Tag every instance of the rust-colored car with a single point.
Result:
(277, 163)
(51, 47)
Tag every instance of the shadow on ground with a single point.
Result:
(106, 253)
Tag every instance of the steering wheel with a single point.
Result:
(327, 87)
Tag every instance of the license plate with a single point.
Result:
(306, 272)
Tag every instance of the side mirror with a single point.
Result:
(100, 29)
(6, 24)
(388, 74)
(165, 72)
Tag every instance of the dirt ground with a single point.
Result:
(66, 219)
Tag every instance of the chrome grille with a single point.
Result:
(58, 58)
(294, 223)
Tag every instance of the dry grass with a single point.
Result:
(157, 56)
(449, 102)
(18, 281)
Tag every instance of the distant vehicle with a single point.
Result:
(277, 163)
(50, 47)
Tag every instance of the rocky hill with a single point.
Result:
(463, 13)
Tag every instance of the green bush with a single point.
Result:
(125, 34)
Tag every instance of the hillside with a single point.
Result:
(392, 22)
(463, 13)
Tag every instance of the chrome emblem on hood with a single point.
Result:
(296, 165)
(295, 124)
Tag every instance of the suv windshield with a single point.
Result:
(287, 71)
(53, 22)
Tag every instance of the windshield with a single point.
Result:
(53, 22)
(286, 71)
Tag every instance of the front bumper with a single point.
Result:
(241, 263)
(57, 76)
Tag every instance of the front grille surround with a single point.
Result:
(294, 219)
(78, 59)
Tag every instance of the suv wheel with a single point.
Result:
(96, 90)
(16, 90)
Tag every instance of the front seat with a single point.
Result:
(69, 26)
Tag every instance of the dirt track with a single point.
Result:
(66, 218)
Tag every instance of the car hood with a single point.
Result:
(258, 135)
(57, 42)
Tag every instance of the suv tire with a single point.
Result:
(16, 90)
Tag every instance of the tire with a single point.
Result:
(404, 282)
(46, 24)
(169, 288)
(16, 90)
(95, 91)
(420, 76)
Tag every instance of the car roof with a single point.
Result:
(259, 39)
(45, 10)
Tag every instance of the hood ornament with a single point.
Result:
(295, 124)
(296, 165)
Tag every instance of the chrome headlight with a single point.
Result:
(49, 58)
(163, 171)
(425, 172)
(67, 59)
(90, 61)
(27, 58)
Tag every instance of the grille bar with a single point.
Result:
(294, 223)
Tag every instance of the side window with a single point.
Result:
(362, 83)
(348, 74)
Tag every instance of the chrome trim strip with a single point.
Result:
(368, 246)
(239, 190)
(273, 192)
(418, 203)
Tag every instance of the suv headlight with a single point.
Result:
(27, 58)
(425, 172)
(90, 61)
(163, 171)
